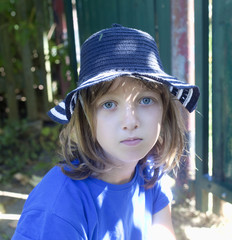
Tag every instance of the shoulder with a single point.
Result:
(56, 201)
(161, 194)
(48, 190)
(57, 191)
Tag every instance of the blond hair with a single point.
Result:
(78, 139)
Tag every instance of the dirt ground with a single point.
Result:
(189, 224)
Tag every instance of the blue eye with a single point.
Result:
(109, 105)
(146, 101)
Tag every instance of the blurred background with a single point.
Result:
(39, 60)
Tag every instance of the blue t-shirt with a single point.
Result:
(60, 208)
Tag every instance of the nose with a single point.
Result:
(130, 119)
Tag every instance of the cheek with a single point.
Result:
(155, 116)
(97, 129)
(102, 130)
(155, 122)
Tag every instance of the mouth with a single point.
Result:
(131, 141)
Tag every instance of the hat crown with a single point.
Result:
(119, 49)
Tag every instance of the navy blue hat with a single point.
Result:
(121, 51)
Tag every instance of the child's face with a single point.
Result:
(128, 120)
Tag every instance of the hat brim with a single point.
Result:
(187, 94)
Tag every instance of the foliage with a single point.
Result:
(19, 28)
(22, 25)
(28, 25)
(24, 145)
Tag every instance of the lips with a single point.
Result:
(131, 141)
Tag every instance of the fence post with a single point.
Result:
(10, 89)
(27, 64)
(45, 77)
(71, 39)
(221, 96)
(183, 67)
(163, 25)
(201, 76)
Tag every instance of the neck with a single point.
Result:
(119, 175)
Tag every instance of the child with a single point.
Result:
(124, 132)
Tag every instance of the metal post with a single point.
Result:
(202, 74)
(183, 67)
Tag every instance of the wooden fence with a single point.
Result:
(214, 128)
(30, 74)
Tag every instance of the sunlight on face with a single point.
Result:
(128, 120)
